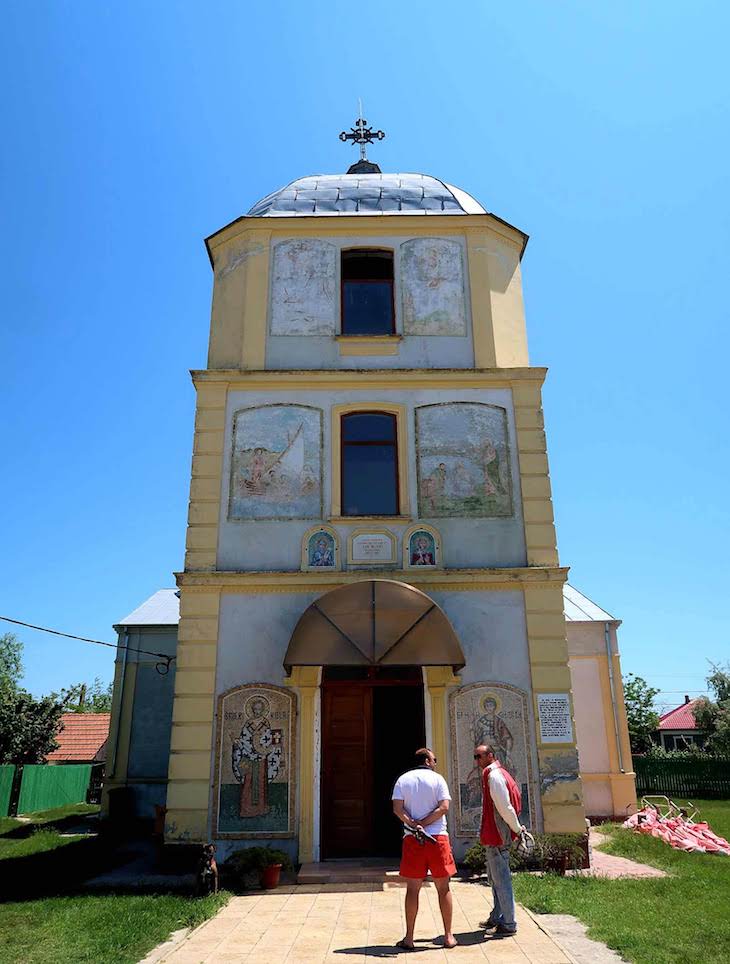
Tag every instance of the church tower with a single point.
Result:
(371, 558)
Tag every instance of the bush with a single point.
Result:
(553, 852)
(692, 752)
(252, 860)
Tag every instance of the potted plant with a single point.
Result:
(264, 862)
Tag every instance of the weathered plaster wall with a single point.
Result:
(590, 720)
(605, 761)
(139, 733)
(276, 545)
(304, 304)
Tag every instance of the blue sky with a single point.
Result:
(132, 131)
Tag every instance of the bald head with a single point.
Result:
(484, 754)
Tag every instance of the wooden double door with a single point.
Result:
(372, 724)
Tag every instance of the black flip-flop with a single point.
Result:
(405, 947)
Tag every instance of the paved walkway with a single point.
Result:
(352, 924)
(606, 865)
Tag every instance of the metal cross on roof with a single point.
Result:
(362, 134)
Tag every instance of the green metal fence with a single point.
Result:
(700, 778)
(44, 787)
(7, 772)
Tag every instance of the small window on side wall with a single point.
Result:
(369, 464)
(368, 307)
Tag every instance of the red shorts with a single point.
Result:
(417, 859)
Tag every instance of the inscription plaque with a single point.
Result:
(554, 712)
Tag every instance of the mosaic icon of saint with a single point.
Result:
(421, 552)
(323, 555)
(256, 758)
(491, 729)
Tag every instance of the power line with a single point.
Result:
(162, 667)
(683, 690)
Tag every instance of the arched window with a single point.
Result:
(369, 464)
(368, 307)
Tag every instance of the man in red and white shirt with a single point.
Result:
(501, 805)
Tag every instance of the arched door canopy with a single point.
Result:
(374, 622)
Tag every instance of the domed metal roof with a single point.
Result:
(348, 194)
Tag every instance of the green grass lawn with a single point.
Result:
(681, 918)
(45, 917)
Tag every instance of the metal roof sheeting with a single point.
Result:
(161, 609)
(347, 194)
(581, 609)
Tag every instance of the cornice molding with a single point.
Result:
(455, 580)
(365, 225)
(380, 378)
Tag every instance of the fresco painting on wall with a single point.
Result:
(254, 767)
(432, 280)
(422, 548)
(303, 286)
(321, 550)
(463, 460)
(488, 713)
(276, 463)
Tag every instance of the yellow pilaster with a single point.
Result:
(537, 507)
(439, 681)
(623, 723)
(205, 487)
(192, 733)
(255, 306)
(481, 302)
(305, 680)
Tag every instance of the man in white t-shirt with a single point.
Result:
(421, 801)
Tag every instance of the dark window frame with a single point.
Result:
(343, 282)
(394, 442)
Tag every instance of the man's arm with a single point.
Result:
(500, 798)
(402, 814)
(436, 814)
(399, 809)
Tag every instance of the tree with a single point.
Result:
(11, 663)
(642, 718)
(713, 716)
(28, 727)
(84, 698)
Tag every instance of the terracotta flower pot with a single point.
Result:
(270, 876)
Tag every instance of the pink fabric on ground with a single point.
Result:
(678, 832)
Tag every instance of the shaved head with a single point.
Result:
(484, 754)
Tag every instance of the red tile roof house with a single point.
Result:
(83, 739)
(678, 728)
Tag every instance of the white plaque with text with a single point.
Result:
(373, 548)
(553, 710)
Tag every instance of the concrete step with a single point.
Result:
(349, 872)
